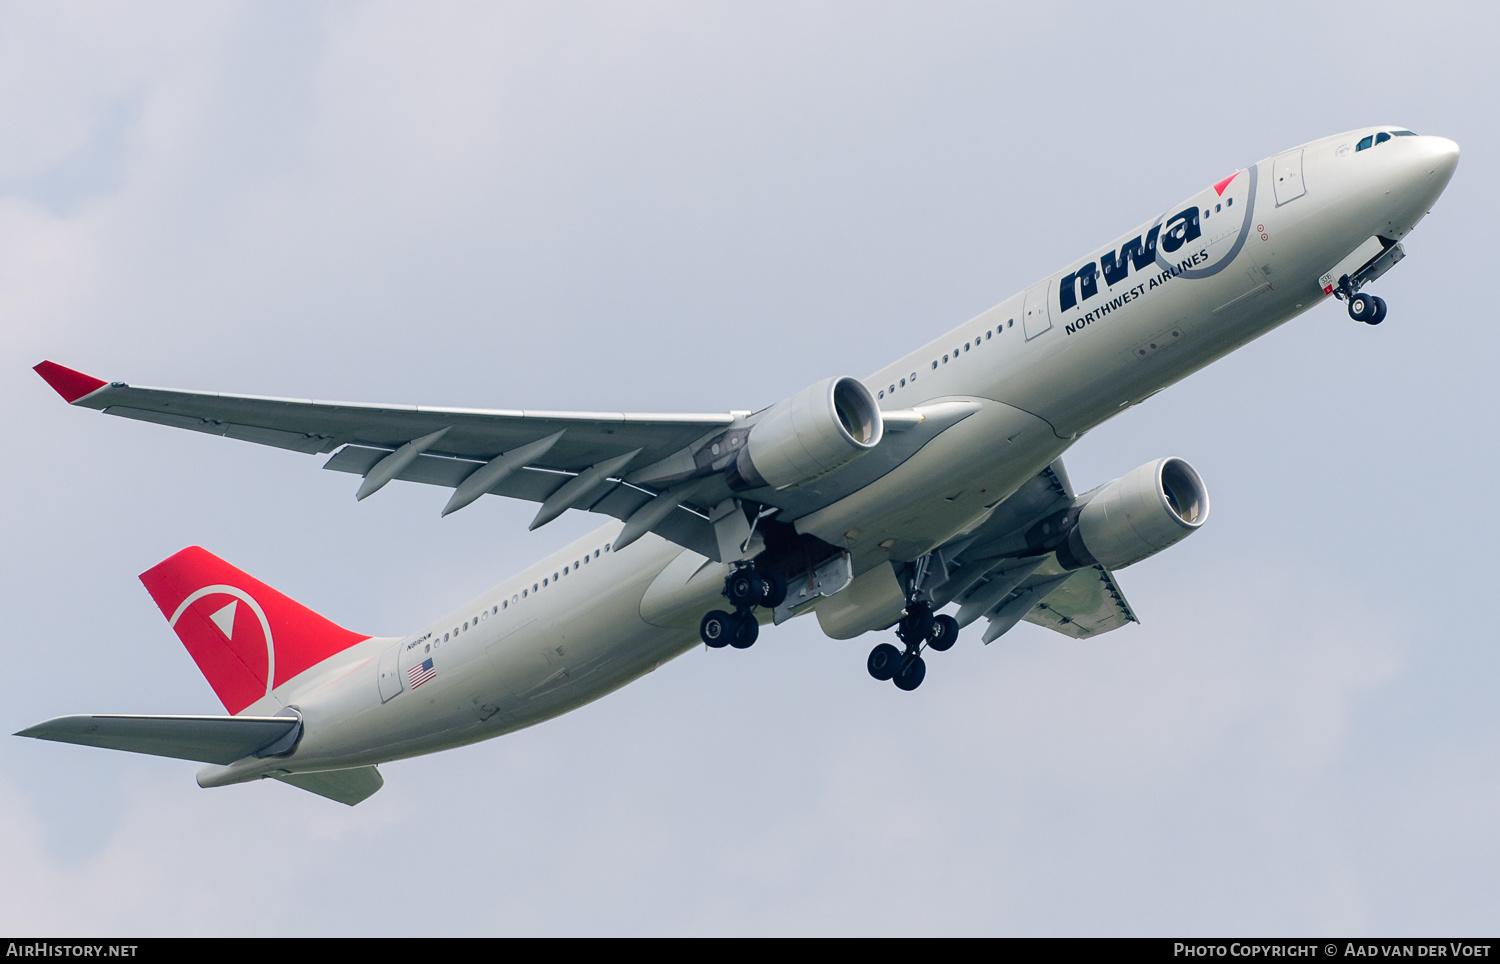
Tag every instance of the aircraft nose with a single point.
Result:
(1429, 167)
(1444, 156)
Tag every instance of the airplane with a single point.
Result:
(934, 484)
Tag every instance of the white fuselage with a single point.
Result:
(1044, 366)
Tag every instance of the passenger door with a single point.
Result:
(1036, 316)
(1286, 176)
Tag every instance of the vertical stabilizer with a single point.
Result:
(245, 636)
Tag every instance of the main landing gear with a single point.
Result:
(906, 668)
(745, 588)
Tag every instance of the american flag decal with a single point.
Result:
(418, 675)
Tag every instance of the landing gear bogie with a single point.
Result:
(745, 588)
(919, 629)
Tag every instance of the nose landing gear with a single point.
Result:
(1366, 308)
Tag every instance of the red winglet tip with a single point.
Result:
(66, 382)
(1225, 183)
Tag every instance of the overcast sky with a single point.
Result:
(702, 207)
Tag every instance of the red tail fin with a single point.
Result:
(240, 631)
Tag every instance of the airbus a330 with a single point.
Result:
(928, 498)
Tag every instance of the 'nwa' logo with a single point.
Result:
(1138, 252)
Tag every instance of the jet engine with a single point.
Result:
(803, 438)
(1137, 515)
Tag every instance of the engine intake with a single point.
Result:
(819, 429)
(1137, 515)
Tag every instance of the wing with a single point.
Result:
(992, 573)
(562, 460)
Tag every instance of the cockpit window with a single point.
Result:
(1376, 139)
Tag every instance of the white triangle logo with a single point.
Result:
(224, 619)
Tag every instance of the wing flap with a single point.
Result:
(204, 739)
(618, 499)
(1087, 603)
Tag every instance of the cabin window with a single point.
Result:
(966, 346)
(945, 359)
(903, 383)
(445, 637)
(934, 363)
(880, 394)
(505, 604)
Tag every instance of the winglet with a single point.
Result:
(66, 382)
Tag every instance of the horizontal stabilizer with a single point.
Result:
(205, 739)
(346, 786)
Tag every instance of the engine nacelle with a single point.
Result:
(817, 430)
(1137, 515)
